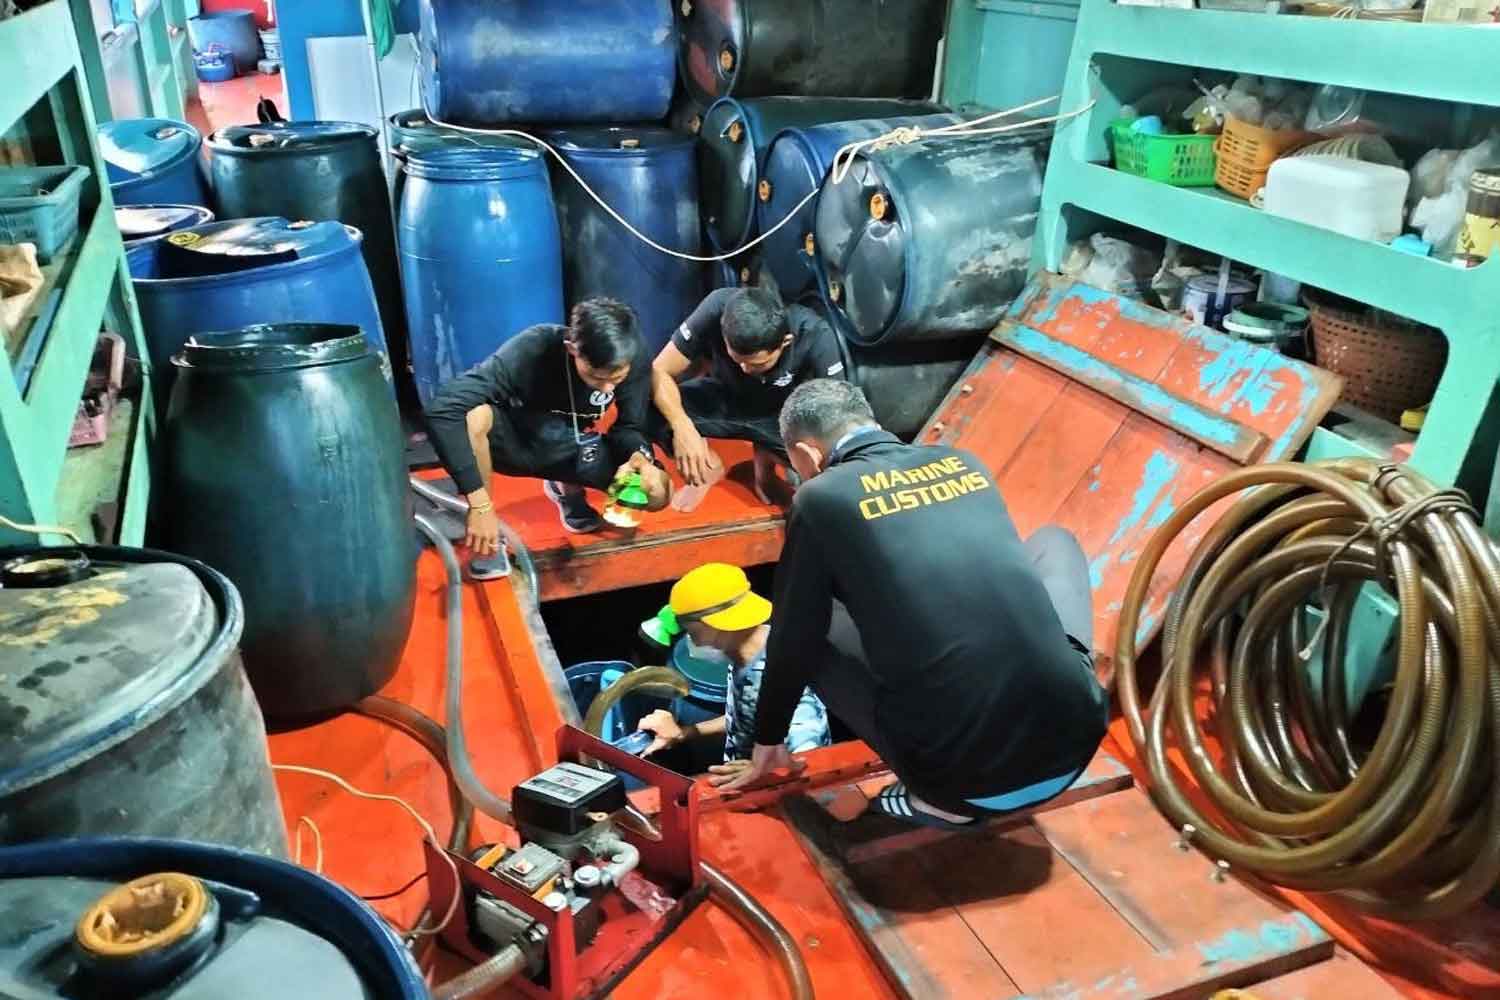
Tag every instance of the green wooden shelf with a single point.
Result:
(161, 70)
(1120, 52)
(95, 288)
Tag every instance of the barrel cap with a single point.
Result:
(272, 347)
(712, 48)
(90, 662)
(864, 255)
(274, 138)
(144, 147)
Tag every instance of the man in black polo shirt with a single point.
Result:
(907, 601)
(530, 409)
(725, 374)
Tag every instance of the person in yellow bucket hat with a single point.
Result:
(725, 620)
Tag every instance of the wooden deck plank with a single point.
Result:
(1035, 914)
(1341, 976)
(917, 939)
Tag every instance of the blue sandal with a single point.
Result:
(894, 801)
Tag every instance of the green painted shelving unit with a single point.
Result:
(46, 98)
(162, 73)
(1120, 52)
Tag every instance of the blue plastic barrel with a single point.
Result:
(798, 160)
(650, 176)
(283, 932)
(147, 222)
(485, 63)
(233, 30)
(228, 275)
(153, 161)
(481, 256)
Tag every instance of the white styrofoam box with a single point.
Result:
(1363, 200)
(343, 84)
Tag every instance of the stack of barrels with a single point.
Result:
(289, 328)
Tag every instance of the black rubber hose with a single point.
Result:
(1408, 828)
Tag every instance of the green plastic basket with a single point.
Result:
(1180, 160)
(40, 205)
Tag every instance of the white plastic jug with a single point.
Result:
(1363, 200)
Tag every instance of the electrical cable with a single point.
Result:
(844, 155)
(381, 897)
(421, 821)
(1408, 828)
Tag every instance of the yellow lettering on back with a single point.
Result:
(943, 491)
(899, 479)
(976, 481)
(867, 509)
(907, 499)
(878, 483)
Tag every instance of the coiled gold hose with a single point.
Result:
(1409, 829)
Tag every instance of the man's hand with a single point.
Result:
(757, 771)
(695, 459)
(664, 727)
(483, 536)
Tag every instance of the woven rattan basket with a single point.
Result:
(1389, 364)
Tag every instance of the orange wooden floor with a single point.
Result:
(731, 525)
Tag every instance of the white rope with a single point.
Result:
(40, 529)
(415, 932)
(842, 161)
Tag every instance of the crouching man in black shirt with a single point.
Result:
(530, 410)
(907, 601)
(726, 372)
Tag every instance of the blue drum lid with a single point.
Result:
(88, 663)
(245, 244)
(139, 222)
(709, 679)
(140, 147)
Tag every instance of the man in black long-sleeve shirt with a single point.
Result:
(907, 601)
(530, 410)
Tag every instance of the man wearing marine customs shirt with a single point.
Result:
(908, 602)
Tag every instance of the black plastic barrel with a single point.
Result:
(852, 48)
(252, 928)
(931, 240)
(650, 176)
(736, 136)
(487, 63)
(906, 382)
(284, 470)
(795, 165)
(686, 114)
(124, 707)
(324, 171)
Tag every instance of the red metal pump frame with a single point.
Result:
(669, 866)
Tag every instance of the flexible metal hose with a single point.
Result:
(662, 681)
(1409, 828)
(488, 975)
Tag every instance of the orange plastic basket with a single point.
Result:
(1246, 152)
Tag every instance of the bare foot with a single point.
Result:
(687, 499)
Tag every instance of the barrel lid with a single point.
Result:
(708, 679)
(712, 46)
(617, 140)
(242, 245)
(476, 163)
(282, 137)
(90, 662)
(861, 241)
(138, 222)
(272, 347)
(139, 147)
